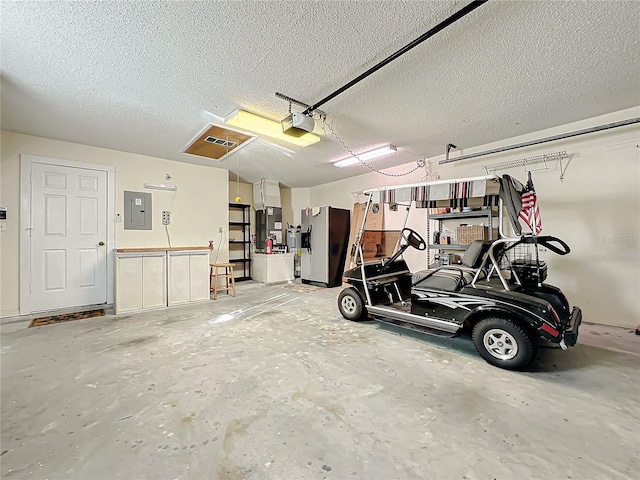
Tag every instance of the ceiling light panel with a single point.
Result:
(365, 156)
(270, 128)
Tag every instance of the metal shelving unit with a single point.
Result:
(489, 215)
(240, 249)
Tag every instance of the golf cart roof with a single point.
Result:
(509, 190)
(430, 183)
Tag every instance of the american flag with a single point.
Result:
(530, 213)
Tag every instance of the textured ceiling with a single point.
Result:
(147, 76)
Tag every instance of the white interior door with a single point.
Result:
(68, 237)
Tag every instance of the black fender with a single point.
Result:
(530, 322)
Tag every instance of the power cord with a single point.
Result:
(220, 237)
(419, 164)
(166, 227)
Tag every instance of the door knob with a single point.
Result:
(101, 244)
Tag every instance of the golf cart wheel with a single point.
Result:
(503, 343)
(351, 305)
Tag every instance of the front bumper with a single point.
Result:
(570, 335)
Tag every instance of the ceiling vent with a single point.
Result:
(215, 142)
(219, 141)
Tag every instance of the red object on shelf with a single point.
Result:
(269, 244)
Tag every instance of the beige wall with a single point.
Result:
(199, 205)
(287, 210)
(245, 189)
(246, 196)
(300, 198)
(595, 210)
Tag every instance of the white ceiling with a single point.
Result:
(147, 76)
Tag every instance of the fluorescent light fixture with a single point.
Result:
(364, 156)
(160, 186)
(270, 128)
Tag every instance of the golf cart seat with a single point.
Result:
(453, 277)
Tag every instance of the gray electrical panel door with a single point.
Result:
(137, 211)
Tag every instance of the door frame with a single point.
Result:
(26, 162)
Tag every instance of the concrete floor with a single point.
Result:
(287, 389)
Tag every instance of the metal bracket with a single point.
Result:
(297, 102)
(449, 147)
(564, 170)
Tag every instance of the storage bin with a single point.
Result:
(468, 233)
(530, 272)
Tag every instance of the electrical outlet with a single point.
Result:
(219, 229)
(118, 217)
(166, 217)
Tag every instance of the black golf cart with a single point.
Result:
(497, 291)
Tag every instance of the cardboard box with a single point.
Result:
(379, 244)
(375, 221)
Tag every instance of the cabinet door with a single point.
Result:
(154, 286)
(179, 278)
(128, 284)
(199, 276)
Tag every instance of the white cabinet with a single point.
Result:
(140, 281)
(148, 278)
(188, 276)
(154, 285)
(273, 268)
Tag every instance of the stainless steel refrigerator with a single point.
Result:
(325, 237)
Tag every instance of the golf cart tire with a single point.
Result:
(351, 305)
(503, 343)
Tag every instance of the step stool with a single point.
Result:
(214, 278)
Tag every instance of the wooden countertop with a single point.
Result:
(159, 249)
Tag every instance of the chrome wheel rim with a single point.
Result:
(348, 305)
(500, 344)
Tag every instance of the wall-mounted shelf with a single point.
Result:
(472, 214)
(542, 160)
(447, 246)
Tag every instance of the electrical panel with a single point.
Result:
(166, 217)
(137, 211)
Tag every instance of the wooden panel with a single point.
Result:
(55, 212)
(154, 289)
(179, 288)
(156, 249)
(128, 284)
(89, 216)
(211, 150)
(199, 276)
(54, 263)
(54, 180)
(88, 261)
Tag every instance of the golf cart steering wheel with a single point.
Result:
(413, 239)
